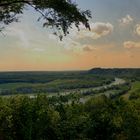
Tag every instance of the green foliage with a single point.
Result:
(48, 82)
(58, 14)
(127, 73)
(113, 119)
(135, 91)
(39, 118)
(65, 116)
(112, 91)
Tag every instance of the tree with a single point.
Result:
(57, 14)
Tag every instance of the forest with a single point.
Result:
(42, 118)
(107, 109)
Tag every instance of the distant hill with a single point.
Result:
(116, 71)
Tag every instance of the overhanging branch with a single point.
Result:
(29, 2)
(14, 2)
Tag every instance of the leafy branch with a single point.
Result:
(57, 14)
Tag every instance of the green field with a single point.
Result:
(87, 83)
(134, 92)
(48, 82)
(135, 87)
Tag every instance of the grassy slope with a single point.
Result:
(134, 89)
(44, 82)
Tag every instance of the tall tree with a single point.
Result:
(57, 14)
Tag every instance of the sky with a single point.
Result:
(113, 42)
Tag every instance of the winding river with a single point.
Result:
(117, 81)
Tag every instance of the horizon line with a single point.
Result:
(67, 70)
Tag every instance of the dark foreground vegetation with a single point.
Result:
(41, 118)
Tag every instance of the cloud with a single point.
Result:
(19, 33)
(137, 29)
(38, 49)
(72, 41)
(131, 45)
(126, 20)
(89, 48)
(102, 29)
(27, 37)
(98, 30)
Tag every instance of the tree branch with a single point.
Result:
(26, 2)
(14, 2)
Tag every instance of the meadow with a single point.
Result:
(48, 82)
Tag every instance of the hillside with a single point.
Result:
(119, 72)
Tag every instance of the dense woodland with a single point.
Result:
(41, 118)
(131, 73)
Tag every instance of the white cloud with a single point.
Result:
(98, 30)
(71, 41)
(89, 48)
(102, 29)
(131, 45)
(137, 29)
(18, 32)
(27, 37)
(38, 49)
(126, 20)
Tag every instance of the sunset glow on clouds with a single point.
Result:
(126, 20)
(98, 29)
(131, 45)
(137, 29)
(114, 40)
